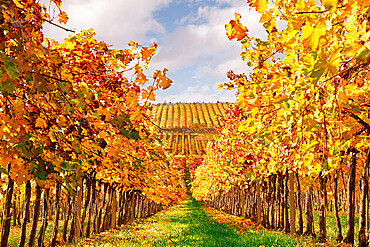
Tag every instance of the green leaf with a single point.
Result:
(38, 151)
(318, 73)
(21, 148)
(314, 127)
(68, 166)
(7, 87)
(70, 189)
(330, 4)
(2, 170)
(62, 86)
(10, 66)
(39, 172)
(131, 134)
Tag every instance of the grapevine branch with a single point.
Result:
(358, 119)
(317, 12)
(66, 29)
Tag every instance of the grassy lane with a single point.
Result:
(189, 224)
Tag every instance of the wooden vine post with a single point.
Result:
(292, 206)
(114, 209)
(339, 237)
(26, 209)
(259, 203)
(350, 238)
(78, 210)
(5, 230)
(322, 208)
(54, 236)
(362, 238)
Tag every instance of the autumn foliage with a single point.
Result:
(301, 120)
(77, 109)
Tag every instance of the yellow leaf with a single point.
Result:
(306, 31)
(307, 160)
(342, 96)
(301, 4)
(40, 123)
(260, 5)
(252, 129)
(18, 4)
(69, 44)
(334, 60)
(354, 91)
(242, 128)
(265, 17)
(57, 3)
(133, 44)
(316, 35)
(256, 102)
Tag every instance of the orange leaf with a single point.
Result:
(163, 81)
(234, 29)
(147, 53)
(63, 18)
(140, 78)
(40, 123)
(57, 3)
(147, 94)
(342, 97)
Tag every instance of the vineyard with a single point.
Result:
(186, 143)
(78, 154)
(194, 117)
(295, 148)
(85, 153)
(186, 129)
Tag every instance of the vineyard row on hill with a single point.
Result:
(188, 115)
(186, 143)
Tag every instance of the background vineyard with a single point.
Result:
(194, 117)
(186, 128)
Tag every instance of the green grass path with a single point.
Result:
(188, 224)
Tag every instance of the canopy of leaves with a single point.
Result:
(78, 107)
(306, 102)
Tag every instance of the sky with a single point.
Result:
(191, 39)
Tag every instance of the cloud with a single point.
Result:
(115, 21)
(196, 93)
(190, 97)
(201, 46)
(205, 44)
(193, 46)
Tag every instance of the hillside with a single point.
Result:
(193, 117)
(187, 127)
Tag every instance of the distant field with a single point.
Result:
(187, 143)
(188, 127)
(188, 116)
